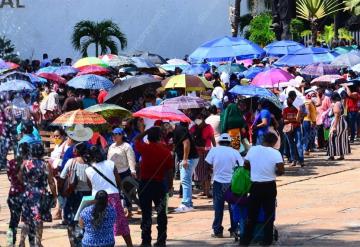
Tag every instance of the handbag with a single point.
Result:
(70, 181)
(288, 128)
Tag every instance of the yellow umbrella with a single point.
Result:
(86, 61)
(188, 82)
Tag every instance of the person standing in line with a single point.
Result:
(188, 157)
(222, 159)
(309, 124)
(156, 165)
(264, 163)
(262, 121)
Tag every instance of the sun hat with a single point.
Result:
(225, 137)
(80, 133)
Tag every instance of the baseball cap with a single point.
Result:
(225, 137)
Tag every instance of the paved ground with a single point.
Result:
(317, 206)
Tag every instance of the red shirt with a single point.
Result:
(101, 97)
(156, 160)
(352, 103)
(290, 113)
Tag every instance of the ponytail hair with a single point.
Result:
(101, 201)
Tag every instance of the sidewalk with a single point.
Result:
(317, 206)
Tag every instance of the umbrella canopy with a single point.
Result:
(250, 90)
(226, 49)
(231, 68)
(142, 62)
(252, 72)
(344, 49)
(109, 110)
(320, 69)
(186, 102)
(48, 69)
(129, 84)
(90, 82)
(188, 82)
(172, 67)
(86, 61)
(52, 77)
(207, 83)
(347, 60)
(12, 65)
(306, 56)
(93, 69)
(155, 58)
(16, 75)
(282, 47)
(162, 112)
(79, 117)
(116, 61)
(356, 68)
(16, 86)
(176, 61)
(3, 65)
(66, 71)
(245, 62)
(271, 78)
(196, 69)
(326, 79)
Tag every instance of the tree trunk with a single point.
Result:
(336, 29)
(313, 32)
(96, 49)
(236, 19)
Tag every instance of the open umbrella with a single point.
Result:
(282, 47)
(188, 82)
(319, 69)
(116, 61)
(252, 72)
(90, 82)
(48, 69)
(109, 110)
(130, 84)
(250, 90)
(271, 78)
(142, 62)
(186, 102)
(347, 60)
(86, 61)
(79, 117)
(356, 68)
(16, 75)
(231, 68)
(326, 79)
(172, 67)
(93, 69)
(16, 86)
(226, 49)
(306, 56)
(176, 61)
(52, 77)
(66, 71)
(162, 112)
(197, 69)
(155, 58)
(344, 49)
(3, 65)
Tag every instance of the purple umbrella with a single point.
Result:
(3, 64)
(186, 102)
(319, 69)
(66, 71)
(271, 78)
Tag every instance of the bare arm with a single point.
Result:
(213, 141)
(247, 165)
(186, 144)
(81, 222)
(280, 169)
(51, 180)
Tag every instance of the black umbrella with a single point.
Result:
(131, 88)
(155, 58)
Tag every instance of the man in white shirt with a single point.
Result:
(264, 163)
(223, 159)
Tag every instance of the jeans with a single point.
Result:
(320, 136)
(294, 139)
(352, 119)
(153, 191)
(309, 136)
(219, 190)
(263, 195)
(186, 181)
(259, 139)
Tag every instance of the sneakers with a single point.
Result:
(183, 209)
(217, 235)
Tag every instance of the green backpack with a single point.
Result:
(240, 181)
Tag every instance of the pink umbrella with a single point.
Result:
(162, 112)
(245, 62)
(271, 78)
(52, 77)
(326, 79)
(93, 69)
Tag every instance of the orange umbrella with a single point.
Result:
(79, 117)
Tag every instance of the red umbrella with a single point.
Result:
(12, 65)
(93, 69)
(162, 112)
(52, 77)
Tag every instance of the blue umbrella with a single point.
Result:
(90, 82)
(226, 49)
(142, 62)
(347, 60)
(66, 71)
(231, 68)
(305, 57)
(49, 69)
(252, 72)
(16, 86)
(16, 75)
(171, 67)
(197, 69)
(281, 48)
(3, 65)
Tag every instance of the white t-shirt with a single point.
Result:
(98, 182)
(214, 121)
(223, 159)
(218, 92)
(263, 162)
(80, 174)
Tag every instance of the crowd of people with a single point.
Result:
(134, 162)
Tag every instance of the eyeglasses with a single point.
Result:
(56, 136)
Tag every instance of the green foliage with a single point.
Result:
(99, 33)
(345, 34)
(305, 33)
(353, 6)
(297, 26)
(7, 50)
(313, 10)
(327, 35)
(260, 29)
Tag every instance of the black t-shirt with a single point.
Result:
(181, 133)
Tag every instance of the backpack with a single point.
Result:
(240, 181)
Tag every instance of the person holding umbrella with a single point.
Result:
(262, 121)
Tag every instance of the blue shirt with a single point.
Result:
(69, 154)
(103, 235)
(264, 113)
(35, 132)
(87, 102)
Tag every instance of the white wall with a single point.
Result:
(172, 28)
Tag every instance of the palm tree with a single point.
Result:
(352, 6)
(313, 10)
(236, 19)
(99, 33)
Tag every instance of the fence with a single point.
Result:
(354, 34)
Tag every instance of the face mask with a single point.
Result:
(57, 141)
(198, 121)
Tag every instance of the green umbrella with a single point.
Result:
(110, 111)
(344, 49)
(231, 68)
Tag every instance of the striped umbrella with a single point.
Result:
(109, 110)
(66, 71)
(162, 112)
(90, 82)
(86, 61)
(347, 59)
(116, 61)
(93, 69)
(16, 86)
(320, 69)
(188, 82)
(326, 79)
(79, 117)
(186, 102)
(52, 77)
(34, 79)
